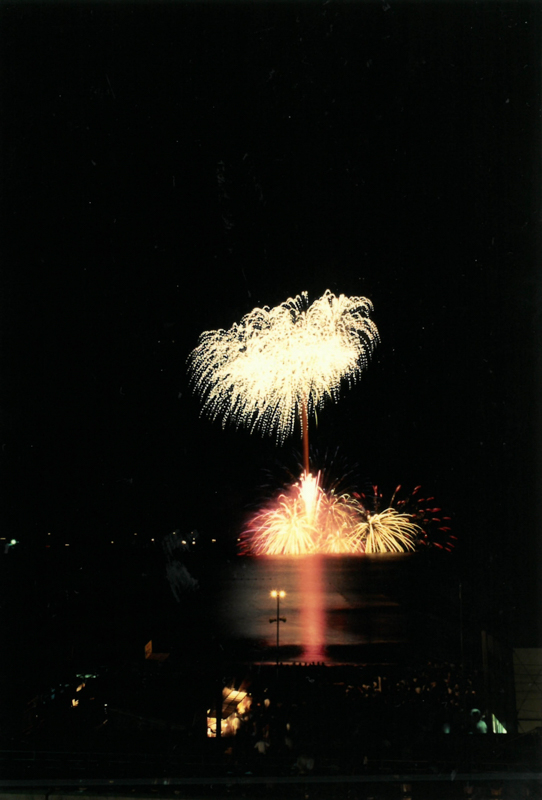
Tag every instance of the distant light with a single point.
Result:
(497, 726)
(152, 540)
(135, 534)
(213, 540)
(112, 542)
(81, 686)
(74, 702)
(280, 593)
(49, 533)
(183, 541)
(13, 541)
(66, 545)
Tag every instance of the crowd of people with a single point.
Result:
(301, 715)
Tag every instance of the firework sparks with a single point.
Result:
(388, 532)
(285, 529)
(279, 364)
(307, 519)
(433, 528)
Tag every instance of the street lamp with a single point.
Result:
(278, 619)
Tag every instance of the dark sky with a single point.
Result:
(166, 168)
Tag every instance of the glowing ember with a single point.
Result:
(281, 362)
(306, 519)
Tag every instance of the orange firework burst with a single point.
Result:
(307, 519)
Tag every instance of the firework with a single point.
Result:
(433, 528)
(388, 532)
(284, 530)
(306, 519)
(280, 364)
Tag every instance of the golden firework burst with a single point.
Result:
(307, 519)
(387, 532)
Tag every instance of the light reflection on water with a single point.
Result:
(312, 608)
(330, 601)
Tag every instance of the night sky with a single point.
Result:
(166, 168)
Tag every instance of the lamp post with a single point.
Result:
(278, 619)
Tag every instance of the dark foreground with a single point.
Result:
(310, 731)
(84, 709)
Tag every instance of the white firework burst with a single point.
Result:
(264, 371)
